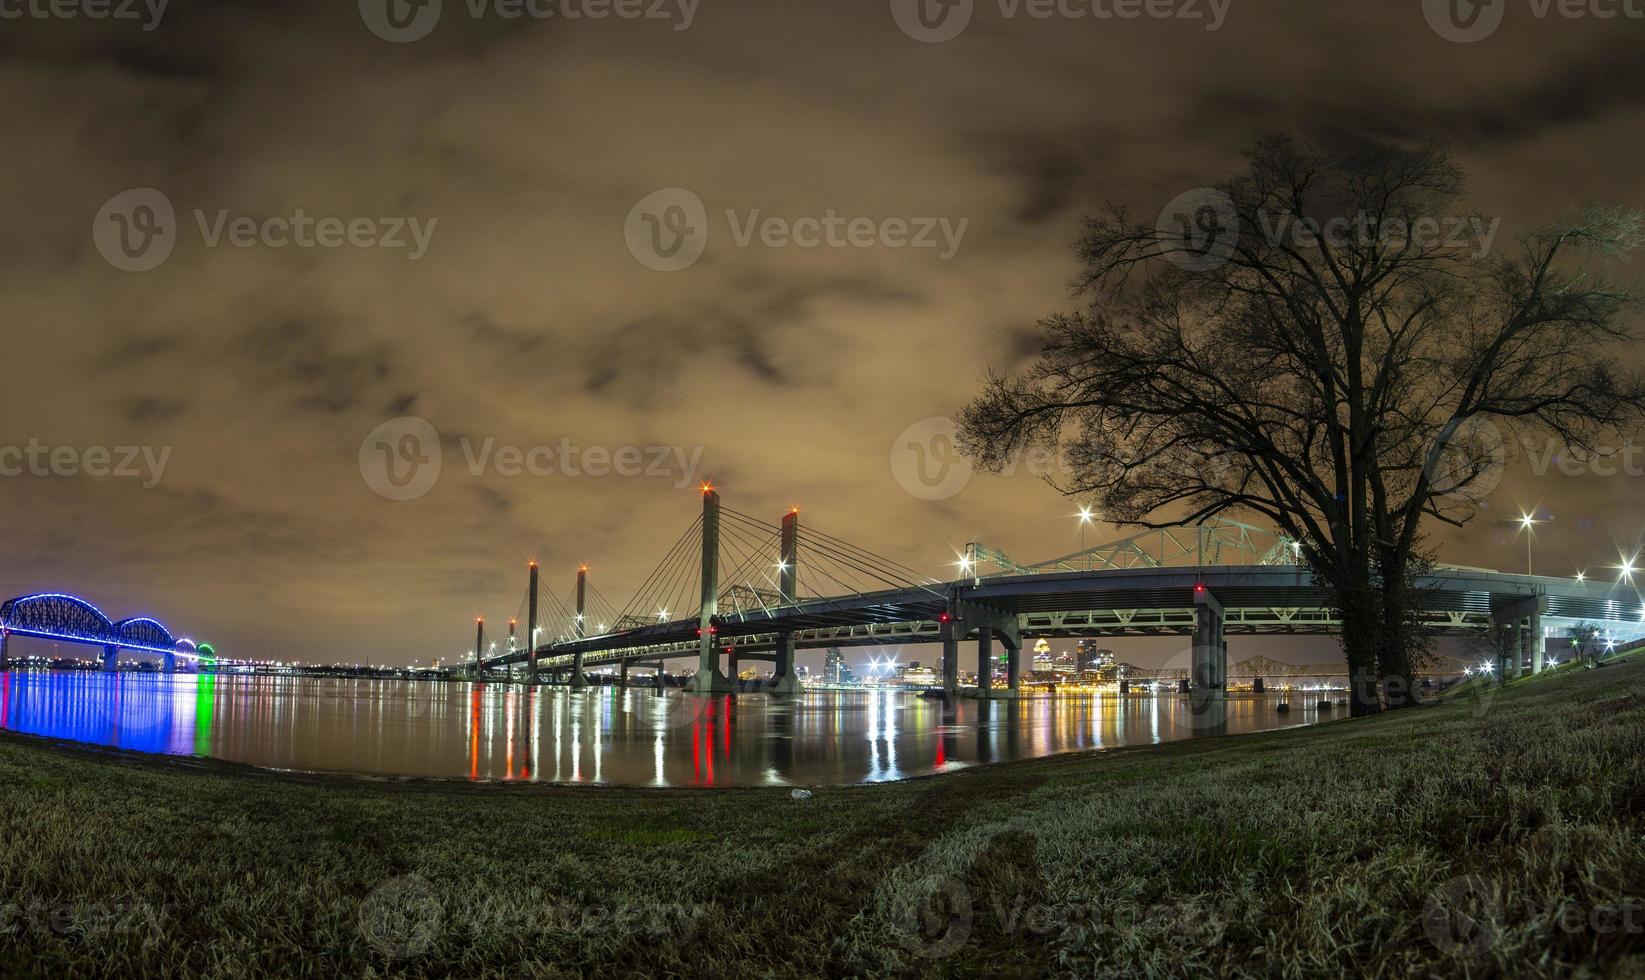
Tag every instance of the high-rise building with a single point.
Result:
(1041, 664)
(834, 669)
(1085, 654)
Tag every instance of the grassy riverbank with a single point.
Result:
(1503, 831)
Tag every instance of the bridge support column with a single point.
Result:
(5, 650)
(708, 679)
(785, 683)
(985, 662)
(171, 663)
(733, 665)
(1208, 668)
(661, 683)
(479, 645)
(1013, 667)
(1535, 639)
(950, 657)
(622, 679)
(111, 658)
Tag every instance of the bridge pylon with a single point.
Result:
(709, 679)
(784, 682)
(479, 646)
(577, 678)
(5, 650)
(531, 624)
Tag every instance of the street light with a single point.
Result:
(1085, 518)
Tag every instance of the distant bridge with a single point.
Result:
(787, 587)
(71, 619)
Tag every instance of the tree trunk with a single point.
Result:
(1361, 627)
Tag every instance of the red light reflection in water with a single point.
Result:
(474, 737)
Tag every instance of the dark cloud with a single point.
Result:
(785, 374)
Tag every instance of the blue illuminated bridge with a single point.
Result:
(66, 618)
(734, 587)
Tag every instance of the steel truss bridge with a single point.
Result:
(736, 587)
(70, 619)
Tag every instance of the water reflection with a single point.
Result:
(602, 735)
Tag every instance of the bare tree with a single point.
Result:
(1324, 342)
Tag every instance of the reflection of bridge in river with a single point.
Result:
(762, 591)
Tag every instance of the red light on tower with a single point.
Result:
(1199, 586)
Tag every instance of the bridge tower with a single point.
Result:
(577, 678)
(709, 679)
(5, 649)
(784, 682)
(531, 625)
(479, 646)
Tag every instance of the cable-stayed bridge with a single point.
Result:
(734, 588)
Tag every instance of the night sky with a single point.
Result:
(526, 316)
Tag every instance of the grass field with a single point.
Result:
(1498, 833)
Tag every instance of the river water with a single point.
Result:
(629, 737)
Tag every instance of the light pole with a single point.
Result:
(1527, 523)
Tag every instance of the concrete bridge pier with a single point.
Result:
(111, 658)
(784, 682)
(5, 650)
(660, 681)
(1208, 669)
(1524, 644)
(622, 677)
(985, 662)
(1534, 639)
(950, 656)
